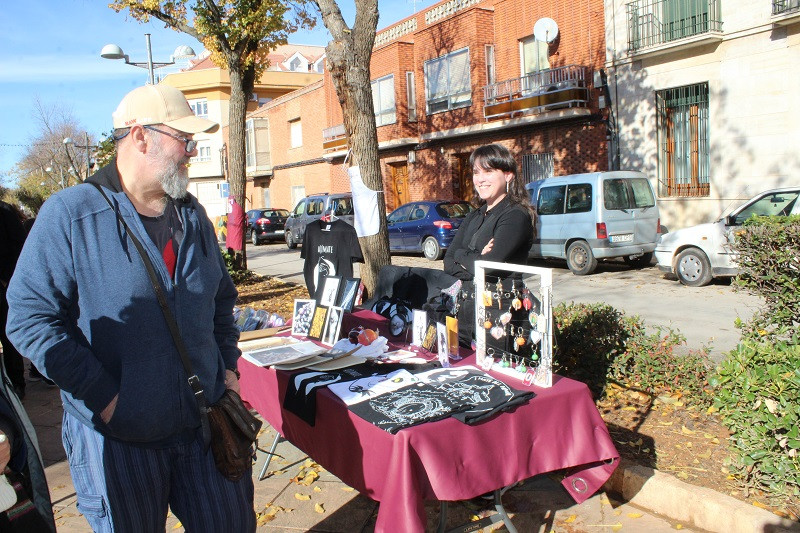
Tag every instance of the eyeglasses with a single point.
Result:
(190, 143)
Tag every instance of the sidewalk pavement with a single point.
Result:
(654, 502)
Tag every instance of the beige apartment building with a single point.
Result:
(706, 98)
(207, 88)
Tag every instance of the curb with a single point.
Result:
(699, 506)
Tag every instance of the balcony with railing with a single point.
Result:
(334, 138)
(660, 25)
(785, 11)
(546, 90)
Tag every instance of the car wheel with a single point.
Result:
(431, 249)
(580, 259)
(639, 261)
(254, 238)
(290, 240)
(693, 268)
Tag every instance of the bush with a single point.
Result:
(769, 267)
(757, 392)
(595, 343)
(758, 384)
(237, 275)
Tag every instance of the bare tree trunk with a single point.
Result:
(237, 113)
(349, 55)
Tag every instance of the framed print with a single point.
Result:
(327, 291)
(318, 322)
(302, 315)
(419, 324)
(333, 324)
(443, 345)
(348, 293)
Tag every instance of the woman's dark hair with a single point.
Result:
(498, 157)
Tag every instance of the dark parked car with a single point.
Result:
(427, 227)
(266, 225)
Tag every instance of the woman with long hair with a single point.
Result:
(501, 230)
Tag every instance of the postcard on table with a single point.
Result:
(289, 353)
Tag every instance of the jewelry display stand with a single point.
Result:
(491, 317)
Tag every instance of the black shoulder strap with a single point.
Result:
(194, 381)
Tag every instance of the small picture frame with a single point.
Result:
(318, 322)
(328, 290)
(419, 324)
(348, 293)
(333, 325)
(442, 345)
(301, 317)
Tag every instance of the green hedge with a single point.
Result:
(595, 344)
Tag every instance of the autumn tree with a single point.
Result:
(348, 58)
(239, 34)
(46, 165)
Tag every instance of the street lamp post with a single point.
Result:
(87, 146)
(112, 51)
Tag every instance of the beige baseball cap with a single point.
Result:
(160, 104)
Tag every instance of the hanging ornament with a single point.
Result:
(527, 303)
(505, 318)
(497, 332)
(532, 318)
(535, 337)
(487, 298)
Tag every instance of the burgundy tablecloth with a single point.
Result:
(445, 460)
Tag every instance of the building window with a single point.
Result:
(447, 82)
(203, 154)
(383, 100)
(250, 143)
(534, 55)
(199, 107)
(411, 97)
(683, 145)
(537, 166)
(490, 74)
(296, 133)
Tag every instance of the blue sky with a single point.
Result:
(51, 49)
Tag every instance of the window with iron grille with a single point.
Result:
(447, 82)
(537, 166)
(683, 145)
(383, 100)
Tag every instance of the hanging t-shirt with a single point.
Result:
(329, 249)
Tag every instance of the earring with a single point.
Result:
(519, 340)
(507, 186)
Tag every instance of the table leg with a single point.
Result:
(269, 455)
(501, 516)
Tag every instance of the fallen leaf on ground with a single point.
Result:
(686, 431)
(635, 515)
(299, 496)
(177, 526)
(317, 489)
(319, 508)
(571, 519)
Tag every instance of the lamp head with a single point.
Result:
(112, 51)
(181, 52)
(68, 140)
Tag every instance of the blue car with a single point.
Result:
(427, 227)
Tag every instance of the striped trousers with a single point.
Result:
(123, 488)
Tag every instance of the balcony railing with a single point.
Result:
(655, 22)
(537, 92)
(334, 137)
(783, 7)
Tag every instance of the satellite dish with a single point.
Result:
(545, 30)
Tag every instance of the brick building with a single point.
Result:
(446, 80)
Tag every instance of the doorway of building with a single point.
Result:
(462, 180)
(399, 185)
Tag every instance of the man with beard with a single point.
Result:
(83, 309)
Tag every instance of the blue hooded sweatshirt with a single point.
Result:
(83, 310)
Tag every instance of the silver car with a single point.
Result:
(699, 253)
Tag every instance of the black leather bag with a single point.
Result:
(234, 432)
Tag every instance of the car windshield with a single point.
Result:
(454, 210)
(275, 213)
(780, 204)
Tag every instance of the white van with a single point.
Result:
(599, 215)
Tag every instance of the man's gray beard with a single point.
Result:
(175, 181)
(172, 175)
